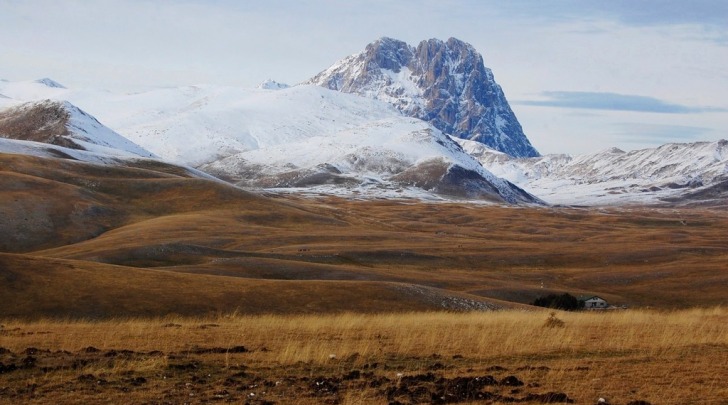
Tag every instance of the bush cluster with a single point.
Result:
(565, 301)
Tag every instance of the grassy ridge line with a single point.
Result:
(36, 286)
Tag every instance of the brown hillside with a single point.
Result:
(171, 243)
(43, 121)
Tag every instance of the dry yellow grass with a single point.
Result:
(663, 357)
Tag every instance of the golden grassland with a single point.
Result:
(148, 240)
(114, 282)
(661, 357)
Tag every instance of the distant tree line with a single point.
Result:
(565, 301)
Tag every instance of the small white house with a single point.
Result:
(594, 302)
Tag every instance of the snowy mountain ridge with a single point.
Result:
(62, 123)
(299, 137)
(310, 139)
(612, 175)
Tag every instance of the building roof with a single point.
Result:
(591, 297)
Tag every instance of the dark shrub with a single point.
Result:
(564, 301)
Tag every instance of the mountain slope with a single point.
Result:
(614, 176)
(63, 124)
(443, 83)
(300, 137)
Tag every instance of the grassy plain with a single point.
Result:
(661, 357)
(148, 240)
(141, 284)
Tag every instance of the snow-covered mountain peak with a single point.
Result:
(442, 82)
(613, 151)
(270, 84)
(50, 83)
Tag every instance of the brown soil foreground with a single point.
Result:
(625, 357)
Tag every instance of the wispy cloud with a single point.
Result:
(657, 134)
(707, 19)
(612, 102)
(712, 13)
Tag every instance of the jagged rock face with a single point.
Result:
(444, 83)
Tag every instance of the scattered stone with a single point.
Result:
(221, 394)
(638, 402)
(90, 349)
(322, 386)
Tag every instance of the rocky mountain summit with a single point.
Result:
(442, 82)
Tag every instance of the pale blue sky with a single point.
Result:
(581, 75)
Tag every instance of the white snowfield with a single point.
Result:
(88, 132)
(231, 130)
(612, 176)
(275, 130)
(80, 128)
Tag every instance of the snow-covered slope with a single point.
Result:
(303, 136)
(442, 82)
(63, 124)
(31, 90)
(613, 176)
(58, 129)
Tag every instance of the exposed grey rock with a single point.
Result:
(444, 83)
